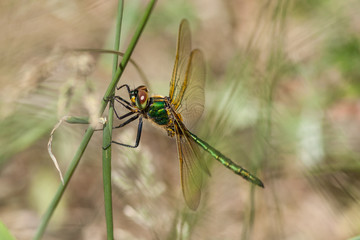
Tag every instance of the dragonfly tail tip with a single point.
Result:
(259, 183)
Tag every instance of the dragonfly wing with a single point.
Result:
(181, 60)
(190, 101)
(188, 79)
(190, 168)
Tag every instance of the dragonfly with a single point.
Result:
(176, 113)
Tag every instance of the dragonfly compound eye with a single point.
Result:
(142, 99)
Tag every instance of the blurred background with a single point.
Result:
(282, 100)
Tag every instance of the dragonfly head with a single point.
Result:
(139, 97)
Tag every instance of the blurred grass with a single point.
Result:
(4, 233)
(281, 97)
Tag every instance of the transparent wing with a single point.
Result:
(181, 59)
(190, 101)
(188, 80)
(190, 170)
(192, 165)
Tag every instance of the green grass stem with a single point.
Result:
(107, 136)
(89, 132)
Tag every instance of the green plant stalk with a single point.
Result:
(127, 55)
(117, 35)
(89, 132)
(107, 136)
(62, 187)
(106, 162)
(77, 120)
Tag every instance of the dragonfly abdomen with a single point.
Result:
(227, 162)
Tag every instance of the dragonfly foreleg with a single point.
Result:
(123, 102)
(120, 100)
(123, 116)
(138, 136)
(127, 121)
(125, 85)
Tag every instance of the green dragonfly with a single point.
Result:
(175, 113)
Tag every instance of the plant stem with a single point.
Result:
(89, 132)
(107, 136)
(106, 156)
(127, 55)
(62, 187)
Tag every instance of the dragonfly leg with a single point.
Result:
(118, 98)
(123, 116)
(123, 102)
(138, 136)
(127, 107)
(127, 121)
(125, 85)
